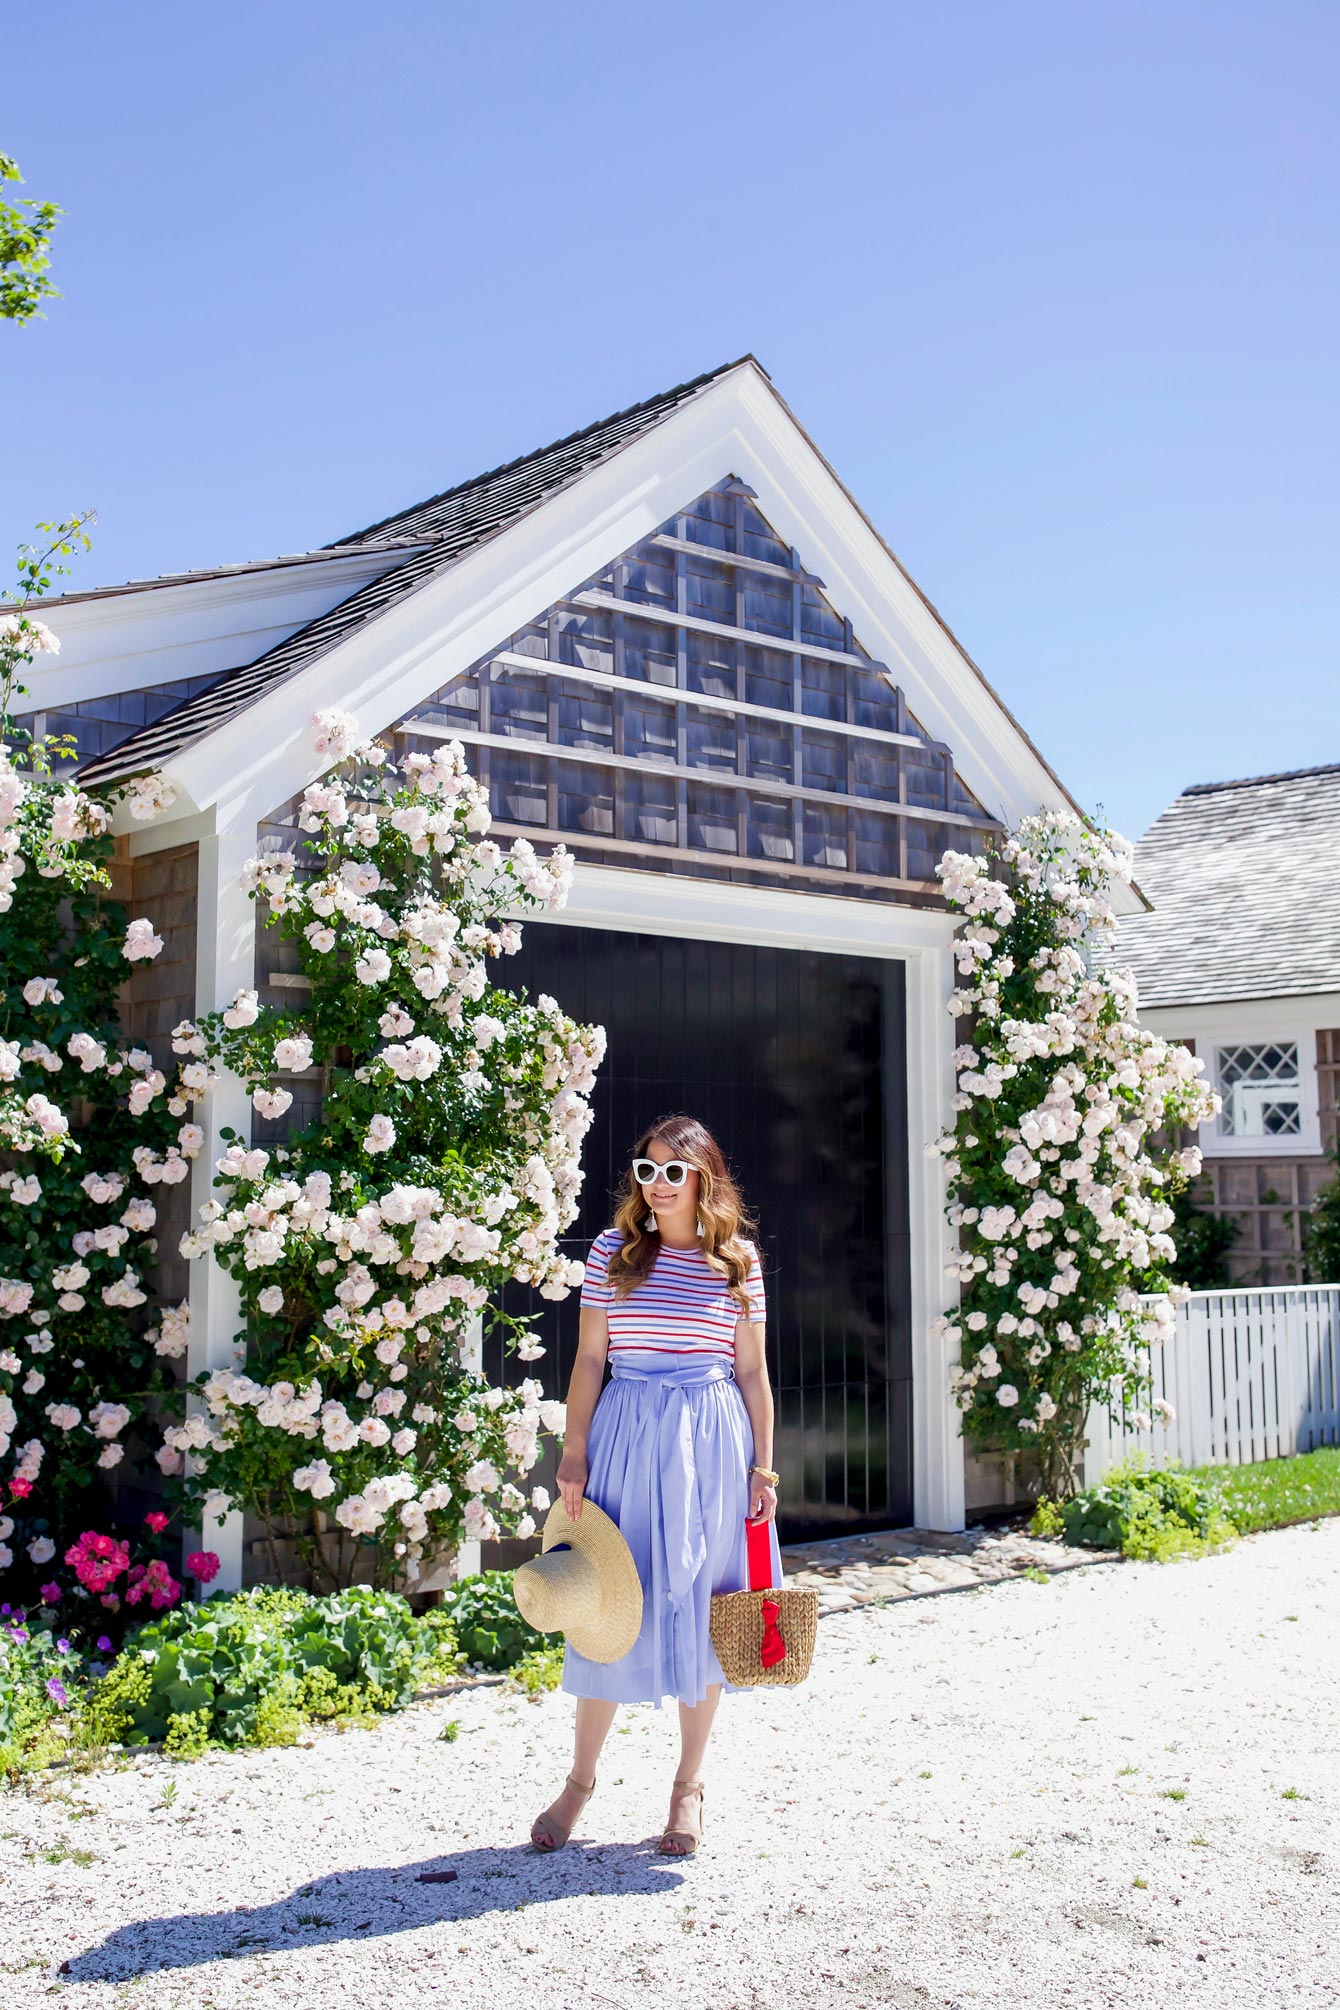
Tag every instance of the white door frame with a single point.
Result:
(658, 903)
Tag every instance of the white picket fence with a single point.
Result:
(1251, 1375)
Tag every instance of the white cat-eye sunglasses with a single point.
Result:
(673, 1171)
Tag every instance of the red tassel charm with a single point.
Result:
(773, 1649)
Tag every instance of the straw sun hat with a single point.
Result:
(584, 1584)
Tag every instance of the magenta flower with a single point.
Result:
(156, 1520)
(50, 1593)
(155, 1582)
(98, 1560)
(203, 1565)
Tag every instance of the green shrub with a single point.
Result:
(488, 1627)
(1146, 1514)
(257, 1667)
(542, 1669)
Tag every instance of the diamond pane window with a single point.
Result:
(1260, 1088)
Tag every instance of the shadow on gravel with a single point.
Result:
(361, 1904)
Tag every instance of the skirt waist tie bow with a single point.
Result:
(678, 1535)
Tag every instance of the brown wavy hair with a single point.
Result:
(729, 1234)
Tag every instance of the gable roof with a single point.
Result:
(442, 530)
(1245, 883)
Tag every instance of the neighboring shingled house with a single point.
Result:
(1240, 957)
(674, 642)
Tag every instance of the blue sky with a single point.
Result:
(1053, 286)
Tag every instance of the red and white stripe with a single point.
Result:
(681, 1307)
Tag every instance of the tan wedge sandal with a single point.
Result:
(687, 1839)
(549, 1835)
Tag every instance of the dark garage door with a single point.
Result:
(795, 1059)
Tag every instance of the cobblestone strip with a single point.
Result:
(853, 1570)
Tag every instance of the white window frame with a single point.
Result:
(1254, 1023)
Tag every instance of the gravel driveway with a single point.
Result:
(971, 1802)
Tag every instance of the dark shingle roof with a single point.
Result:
(448, 525)
(1245, 883)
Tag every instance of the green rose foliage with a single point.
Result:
(433, 1157)
(89, 1127)
(1060, 1179)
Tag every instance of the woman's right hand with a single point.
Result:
(572, 1473)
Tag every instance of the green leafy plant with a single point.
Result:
(1147, 1514)
(1321, 1233)
(489, 1629)
(258, 1667)
(541, 1670)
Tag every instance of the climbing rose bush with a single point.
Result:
(1060, 1173)
(90, 1129)
(423, 1142)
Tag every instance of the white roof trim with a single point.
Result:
(736, 425)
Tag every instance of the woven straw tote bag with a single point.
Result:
(765, 1635)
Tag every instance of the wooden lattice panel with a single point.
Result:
(1328, 1086)
(700, 707)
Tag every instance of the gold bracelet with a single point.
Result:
(765, 1473)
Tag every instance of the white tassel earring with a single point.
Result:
(651, 1223)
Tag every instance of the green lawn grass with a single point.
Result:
(1278, 1491)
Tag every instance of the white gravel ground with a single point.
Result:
(967, 1804)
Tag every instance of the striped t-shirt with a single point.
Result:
(681, 1307)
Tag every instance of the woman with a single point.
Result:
(676, 1450)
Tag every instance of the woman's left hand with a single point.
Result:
(762, 1499)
